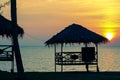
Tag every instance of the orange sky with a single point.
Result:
(44, 18)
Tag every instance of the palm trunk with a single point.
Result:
(16, 48)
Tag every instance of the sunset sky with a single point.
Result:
(41, 19)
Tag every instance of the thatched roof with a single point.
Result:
(76, 34)
(6, 28)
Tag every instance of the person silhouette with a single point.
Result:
(88, 55)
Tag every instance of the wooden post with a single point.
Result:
(62, 57)
(86, 45)
(16, 48)
(12, 63)
(55, 56)
(86, 63)
(97, 57)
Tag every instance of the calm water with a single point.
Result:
(41, 59)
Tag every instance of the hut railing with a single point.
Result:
(6, 53)
(72, 58)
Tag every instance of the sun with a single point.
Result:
(109, 35)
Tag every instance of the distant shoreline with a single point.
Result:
(67, 46)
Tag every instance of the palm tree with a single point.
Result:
(16, 48)
(11, 29)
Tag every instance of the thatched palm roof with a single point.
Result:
(76, 34)
(7, 28)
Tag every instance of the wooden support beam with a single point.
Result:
(97, 57)
(62, 58)
(55, 56)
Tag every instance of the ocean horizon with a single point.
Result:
(41, 59)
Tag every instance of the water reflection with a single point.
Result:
(41, 59)
(109, 59)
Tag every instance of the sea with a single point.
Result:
(41, 59)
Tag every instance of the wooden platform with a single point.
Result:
(75, 63)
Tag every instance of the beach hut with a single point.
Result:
(7, 30)
(78, 34)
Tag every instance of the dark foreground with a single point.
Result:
(63, 76)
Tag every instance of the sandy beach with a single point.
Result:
(62, 76)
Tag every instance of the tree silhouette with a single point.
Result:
(2, 5)
(16, 49)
